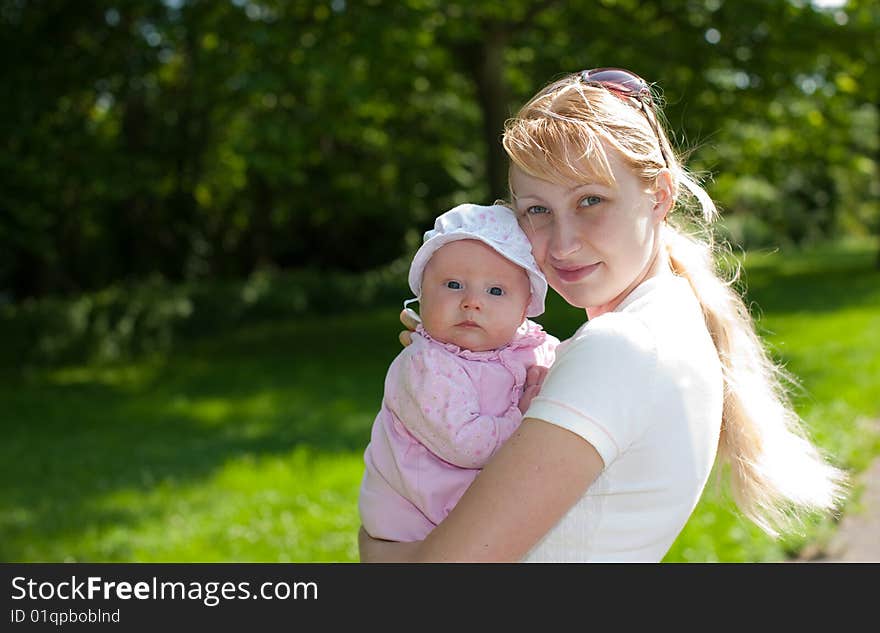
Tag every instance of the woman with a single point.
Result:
(613, 454)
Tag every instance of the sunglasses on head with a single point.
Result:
(626, 84)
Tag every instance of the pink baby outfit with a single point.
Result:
(445, 412)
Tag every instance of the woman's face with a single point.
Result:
(594, 242)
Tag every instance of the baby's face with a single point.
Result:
(472, 296)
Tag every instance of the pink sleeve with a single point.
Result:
(439, 404)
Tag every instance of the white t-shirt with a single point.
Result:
(643, 385)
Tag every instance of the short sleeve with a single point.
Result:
(601, 385)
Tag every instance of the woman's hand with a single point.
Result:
(410, 320)
(376, 551)
(534, 379)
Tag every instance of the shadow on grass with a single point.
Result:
(801, 290)
(74, 437)
(840, 294)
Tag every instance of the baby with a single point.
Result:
(452, 397)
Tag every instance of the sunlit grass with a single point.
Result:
(270, 509)
(248, 446)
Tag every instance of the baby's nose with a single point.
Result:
(471, 302)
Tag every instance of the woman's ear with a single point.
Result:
(664, 195)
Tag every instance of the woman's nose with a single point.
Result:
(564, 240)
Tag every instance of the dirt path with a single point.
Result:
(857, 538)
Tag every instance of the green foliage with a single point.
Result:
(125, 321)
(193, 139)
(248, 445)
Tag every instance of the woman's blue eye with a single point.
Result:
(537, 210)
(589, 201)
(495, 290)
(453, 285)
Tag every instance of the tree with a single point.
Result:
(190, 138)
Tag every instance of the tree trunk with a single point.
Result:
(877, 263)
(877, 220)
(487, 71)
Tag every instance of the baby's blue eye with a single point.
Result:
(589, 201)
(495, 290)
(453, 285)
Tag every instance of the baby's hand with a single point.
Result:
(534, 379)
(410, 320)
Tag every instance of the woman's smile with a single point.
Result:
(573, 274)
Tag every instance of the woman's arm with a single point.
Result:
(524, 490)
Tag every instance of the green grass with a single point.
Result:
(248, 446)
(243, 448)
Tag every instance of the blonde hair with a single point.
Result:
(777, 474)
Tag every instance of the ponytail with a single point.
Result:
(777, 474)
